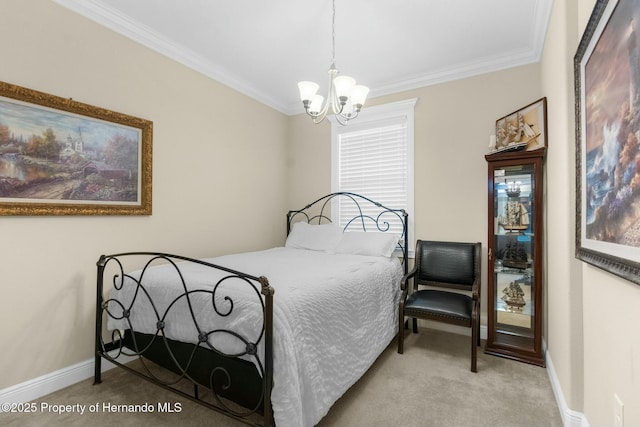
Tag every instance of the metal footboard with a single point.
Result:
(238, 385)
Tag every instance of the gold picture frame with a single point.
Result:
(62, 157)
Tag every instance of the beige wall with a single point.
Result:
(611, 332)
(211, 174)
(564, 336)
(593, 337)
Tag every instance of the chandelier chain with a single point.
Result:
(333, 34)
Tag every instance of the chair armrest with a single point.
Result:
(406, 277)
(475, 289)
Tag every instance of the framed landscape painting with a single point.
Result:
(62, 157)
(607, 88)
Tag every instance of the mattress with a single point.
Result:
(333, 316)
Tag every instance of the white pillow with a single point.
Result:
(322, 237)
(371, 243)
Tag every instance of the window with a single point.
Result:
(373, 156)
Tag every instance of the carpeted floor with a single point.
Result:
(429, 385)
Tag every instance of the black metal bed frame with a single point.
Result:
(365, 221)
(201, 364)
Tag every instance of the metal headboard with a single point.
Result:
(370, 216)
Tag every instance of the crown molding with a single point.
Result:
(505, 61)
(112, 19)
(134, 30)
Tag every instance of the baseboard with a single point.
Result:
(570, 418)
(54, 381)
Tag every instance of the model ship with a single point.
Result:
(515, 256)
(513, 296)
(514, 136)
(516, 217)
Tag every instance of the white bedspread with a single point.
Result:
(333, 316)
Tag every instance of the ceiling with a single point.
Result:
(262, 48)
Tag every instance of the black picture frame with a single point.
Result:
(607, 110)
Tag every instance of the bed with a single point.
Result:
(270, 337)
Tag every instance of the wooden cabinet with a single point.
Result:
(514, 280)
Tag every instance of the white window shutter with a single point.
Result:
(374, 158)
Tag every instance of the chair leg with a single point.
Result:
(475, 339)
(415, 325)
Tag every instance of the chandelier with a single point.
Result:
(346, 98)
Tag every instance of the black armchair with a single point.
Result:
(445, 266)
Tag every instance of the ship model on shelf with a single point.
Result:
(515, 256)
(513, 296)
(516, 217)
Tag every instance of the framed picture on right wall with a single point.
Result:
(607, 91)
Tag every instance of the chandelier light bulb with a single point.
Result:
(359, 95)
(307, 90)
(316, 104)
(344, 85)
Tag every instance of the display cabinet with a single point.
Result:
(514, 279)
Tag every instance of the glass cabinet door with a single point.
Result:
(514, 281)
(513, 248)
